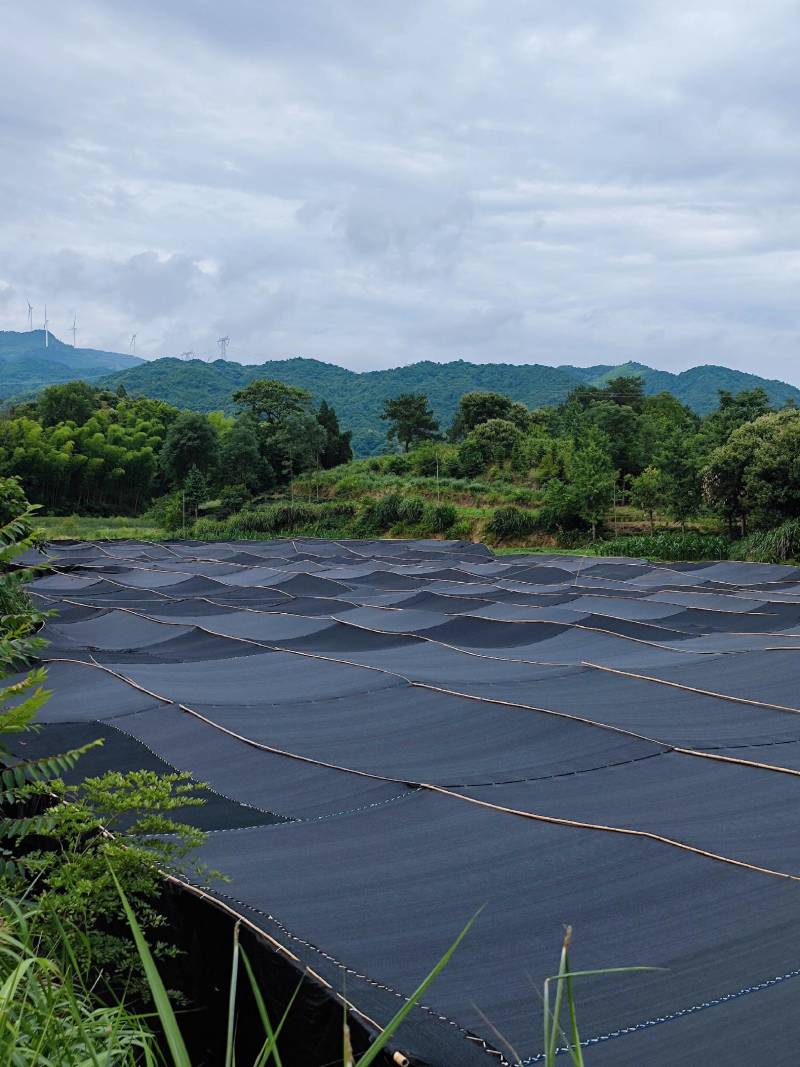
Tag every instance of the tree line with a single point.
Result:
(86, 449)
(79, 448)
(613, 443)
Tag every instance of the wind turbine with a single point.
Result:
(223, 343)
(74, 328)
(46, 324)
(132, 345)
(30, 313)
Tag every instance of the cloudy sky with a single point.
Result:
(375, 183)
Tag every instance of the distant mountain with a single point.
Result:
(358, 397)
(26, 365)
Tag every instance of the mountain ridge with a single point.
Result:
(26, 365)
(358, 395)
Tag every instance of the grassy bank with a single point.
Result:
(84, 528)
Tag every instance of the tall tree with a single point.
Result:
(272, 402)
(195, 490)
(678, 459)
(240, 457)
(70, 402)
(336, 448)
(478, 407)
(648, 490)
(411, 419)
(593, 477)
(191, 441)
(734, 410)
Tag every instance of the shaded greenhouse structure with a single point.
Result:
(396, 733)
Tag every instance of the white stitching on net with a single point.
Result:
(647, 1024)
(357, 974)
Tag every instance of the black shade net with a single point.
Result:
(395, 733)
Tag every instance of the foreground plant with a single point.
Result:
(47, 1017)
(564, 989)
(57, 840)
(269, 1050)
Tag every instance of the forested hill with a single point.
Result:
(358, 397)
(26, 365)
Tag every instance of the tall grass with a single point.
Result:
(777, 545)
(667, 546)
(47, 1018)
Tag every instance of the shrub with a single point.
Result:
(461, 530)
(397, 465)
(209, 530)
(410, 510)
(512, 523)
(777, 545)
(232, 499)
(439, 518)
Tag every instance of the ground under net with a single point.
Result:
(396, 733)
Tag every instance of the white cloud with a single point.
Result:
(374, 184)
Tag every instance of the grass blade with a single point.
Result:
(229, 1043)
(393, 1023)
(575, 1050)
(270, 1047)
(172, 1033)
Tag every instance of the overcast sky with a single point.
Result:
(375, 183)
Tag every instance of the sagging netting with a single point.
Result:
(398, 732)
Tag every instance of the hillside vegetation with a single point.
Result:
(358, 398)
(607, 462)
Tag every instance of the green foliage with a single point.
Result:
(240, 457)
(107, 461)
(358, 398)
(778, 545)
(410, 418)
(733, 411)
(271, 401)
(381, 515)
(233, 498)
(677, 455)
(495, 440)
(117, 820)
(48, 1015)
(440, 518)
(512, 524)
(191, 441)
(410, 510)
(667, 546)
(195, 490)
(756, 472)
(337, 447)
(648, 490)
(57, 839)
(475, 408)
(593, 478)
(70, 402)
(428, 460)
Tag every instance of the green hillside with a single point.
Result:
(26, 365)
(358, 397)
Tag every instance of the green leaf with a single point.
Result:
(172, 1033)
